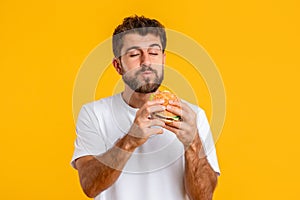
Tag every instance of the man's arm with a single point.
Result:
(97, 173)
(200, 178)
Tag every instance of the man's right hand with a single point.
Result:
(144, 126)
(97, 173)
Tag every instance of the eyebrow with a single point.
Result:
(137, 47)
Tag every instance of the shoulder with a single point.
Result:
(101, 103)
(98, 109)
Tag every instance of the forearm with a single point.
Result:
(200, 178)
(100, 172)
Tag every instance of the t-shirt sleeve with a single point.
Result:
(89, 140)
(207, 139)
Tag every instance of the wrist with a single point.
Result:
(126, 143)
(195, 148)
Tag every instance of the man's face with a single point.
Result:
(142, 62)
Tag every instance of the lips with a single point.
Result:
(147, 72)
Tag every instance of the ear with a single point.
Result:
(164, 57)
(117, 65)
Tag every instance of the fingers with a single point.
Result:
(143, 131)
(152, 106)
(181, 109)
(175, 103)
(156, 122)
(175, 124)
(154, 131)
(184, 134)
(154, 109)
(180, 104)
(178, 132)
(148, 111)
(172, 129)
(175, 110)
(154, 102)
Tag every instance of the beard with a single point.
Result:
(146, 85)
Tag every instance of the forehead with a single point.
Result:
(135, 39)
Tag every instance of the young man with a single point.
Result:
(121, 152)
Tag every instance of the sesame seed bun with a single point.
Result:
(165, 115)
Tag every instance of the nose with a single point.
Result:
(145, 59)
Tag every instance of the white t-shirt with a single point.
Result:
(156, 169)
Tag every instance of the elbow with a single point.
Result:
(214, 181)
(209, 187)
(204, 189)
(89, 195)
(90, 192)
(88, 180)
(89, 188)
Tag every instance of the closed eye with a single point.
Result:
(154, 51)
(133, 55)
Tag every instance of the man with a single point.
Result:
(121, 152)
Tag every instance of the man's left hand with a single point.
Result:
(186, 129)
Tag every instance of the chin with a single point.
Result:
(148, 88)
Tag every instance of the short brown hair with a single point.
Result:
(140, 25)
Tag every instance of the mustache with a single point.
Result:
(146, 68)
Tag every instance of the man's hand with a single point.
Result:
(200, 179)
(186, 129)
(95, 176)
(143, 126)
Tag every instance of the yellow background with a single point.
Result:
(255, 45)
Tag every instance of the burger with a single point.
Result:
(165, 115)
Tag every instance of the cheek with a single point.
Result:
(158, 62)
(129, 65)
(159, 67)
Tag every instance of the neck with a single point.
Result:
(135, 99)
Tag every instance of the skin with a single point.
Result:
(95, 177)
(200, 178)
